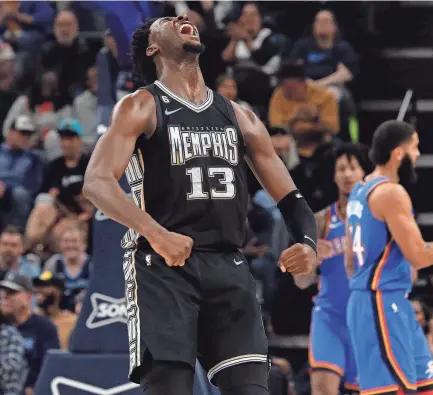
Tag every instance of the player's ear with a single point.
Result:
(152, 50)
(399, 153)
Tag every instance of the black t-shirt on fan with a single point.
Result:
(190, 175)
(68, 180)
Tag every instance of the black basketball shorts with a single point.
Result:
(206, 309)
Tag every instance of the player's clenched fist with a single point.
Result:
(174, 248)
(298, 259)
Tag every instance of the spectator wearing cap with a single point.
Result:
(73, 264)
(308, 111)
(13, 364)
(61, 200)
(11, 253)
(21, 172)
(8, 93)
(39, 333)
(49, 293)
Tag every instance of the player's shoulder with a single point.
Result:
(140, 100)
(388, 190)
(244, 115)
(388, 196)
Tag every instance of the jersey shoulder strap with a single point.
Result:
(229, 111)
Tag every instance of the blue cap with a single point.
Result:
(70, 126)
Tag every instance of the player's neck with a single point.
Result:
(385, 171)
(185, 79)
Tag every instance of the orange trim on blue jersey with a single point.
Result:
(384, 334)
(338, 212)
(424, 383)
(379, 267)
(380, 390)
(322, 365)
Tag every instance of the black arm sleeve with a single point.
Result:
(299, 218)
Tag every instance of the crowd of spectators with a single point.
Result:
(58, 86)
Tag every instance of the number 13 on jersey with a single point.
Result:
(357, 246)
(226, 178)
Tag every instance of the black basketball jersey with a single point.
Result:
(190, 175)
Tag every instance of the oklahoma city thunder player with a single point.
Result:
(330, 354)
(391, 353)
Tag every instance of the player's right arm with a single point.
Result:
(391, 203)
(134, 115)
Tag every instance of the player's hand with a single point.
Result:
(174, 248)
(298, 259)
(324, 249)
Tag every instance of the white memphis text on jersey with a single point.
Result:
(197, 142)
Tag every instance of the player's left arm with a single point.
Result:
(274, 177)
(348, 253)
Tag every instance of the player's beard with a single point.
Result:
(407, 173)
(194, 48)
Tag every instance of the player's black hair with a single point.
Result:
(143, 66)
(388, 136)
(357, 151)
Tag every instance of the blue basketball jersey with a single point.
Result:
(334, 285)
(378, 260)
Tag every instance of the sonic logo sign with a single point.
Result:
(85, 388)
(105, 311)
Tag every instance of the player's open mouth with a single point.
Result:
(189, 30)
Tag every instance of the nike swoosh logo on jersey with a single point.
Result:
(173, 111)
(335, 226)
(237, 263)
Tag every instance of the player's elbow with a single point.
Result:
(90, 185)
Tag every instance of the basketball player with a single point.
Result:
(189, 292)
(330, 355)
(383, 240)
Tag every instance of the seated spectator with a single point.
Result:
(307, 110)
(73, 263)
(24, 24)
(46, 107)
(49, 293)
(251, 42)
(11, 253)
(61, 200)
(21, 172)
(227, 87)
(13, 364)
(86, 106)
(69, 58)
(8, 93)
(326, 58)
(39, 333)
